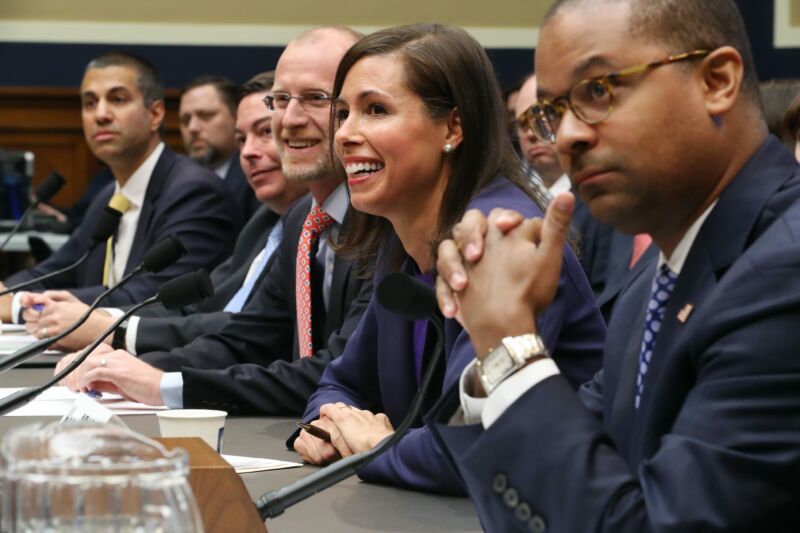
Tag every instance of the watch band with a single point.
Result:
(118, 339)
(512, 354)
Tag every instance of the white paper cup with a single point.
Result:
(204, 423)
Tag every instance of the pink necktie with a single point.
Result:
(316, 222)
(641, 243)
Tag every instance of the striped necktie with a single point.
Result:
(121, 204)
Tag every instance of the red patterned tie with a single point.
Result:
(316, 222)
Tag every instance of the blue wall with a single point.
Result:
(61, 65)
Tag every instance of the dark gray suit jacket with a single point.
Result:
(163, 329)
(252, 365)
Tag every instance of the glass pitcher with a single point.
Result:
(79, 477)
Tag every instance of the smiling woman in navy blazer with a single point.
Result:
(420, 131)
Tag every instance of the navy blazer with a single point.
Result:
(163, 329)
(714, 444)
(252, 366)
(377, 372)
(181, 198)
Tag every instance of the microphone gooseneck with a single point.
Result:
(46, 190)
(182, 288)
(414, 300)
(161, 256)
(104, 227)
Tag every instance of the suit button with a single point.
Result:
(523, 512)
(499, 483)
(511, 498)
(537, 525)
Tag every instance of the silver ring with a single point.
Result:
(44, 332)
(103, 362)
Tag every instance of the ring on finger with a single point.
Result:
(44, 332)
(103, 362)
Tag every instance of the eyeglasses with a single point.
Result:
(308, 100)
(591, 100)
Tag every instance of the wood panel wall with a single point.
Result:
(47, 122)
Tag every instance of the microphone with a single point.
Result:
(180, 291)
(158, 257)
(104, 227)
(46, 190)
(414, 300)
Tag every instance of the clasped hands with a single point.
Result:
(499, 272)
(352, 430)
(51, 312)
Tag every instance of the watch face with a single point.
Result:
(496, 364)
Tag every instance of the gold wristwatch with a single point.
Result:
(512, 354)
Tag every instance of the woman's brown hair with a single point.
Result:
(448, 69)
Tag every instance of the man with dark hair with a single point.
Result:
(159, 192)
(256, 363)
(692, 423)
(207, 116)
(235, 281)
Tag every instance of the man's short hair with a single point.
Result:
(687, 25)
(260, 83)
(226, 89)
(147, 79)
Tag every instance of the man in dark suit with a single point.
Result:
(160, 192)
(255, 364)
(235, 280)
(692, 424)
(207, 117)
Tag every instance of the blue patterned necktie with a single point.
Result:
(663, 284)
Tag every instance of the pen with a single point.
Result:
(94, 394)
(314, 430)
(38, 307)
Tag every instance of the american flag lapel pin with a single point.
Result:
(683, 314)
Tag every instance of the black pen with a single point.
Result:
(315, 431)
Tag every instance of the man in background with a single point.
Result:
(207, 117)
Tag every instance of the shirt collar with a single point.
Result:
(136, 186)
(681, 252)
(562, 184)
(335, 204)
(221, 170)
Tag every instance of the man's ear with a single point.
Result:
(722, 74)
(454, 132)
(157, 113)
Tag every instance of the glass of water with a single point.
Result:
(79, 477)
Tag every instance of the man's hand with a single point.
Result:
(59, 315)
(73, 380)
(117, 371)
(510, 273)
(316, 451)
(359, 430)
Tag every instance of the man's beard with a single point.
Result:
(322, 168)
(209, 158)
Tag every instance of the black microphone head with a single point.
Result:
(49, 187)
(163, 253)
(406, 296)
(106, 225)
(186, 289)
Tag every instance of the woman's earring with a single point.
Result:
(448, 148)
